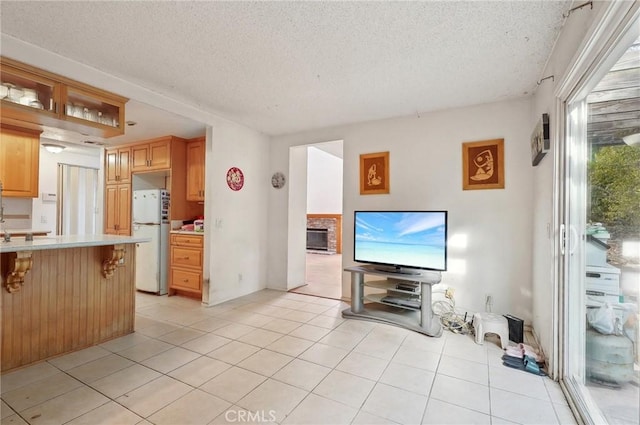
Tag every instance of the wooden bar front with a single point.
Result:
(65, 304)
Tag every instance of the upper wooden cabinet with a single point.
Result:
(195, 169)
(19, 162)
(31, 97)
(152, 156)
(117, 167)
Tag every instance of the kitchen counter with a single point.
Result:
(60, 294)
(19, 244)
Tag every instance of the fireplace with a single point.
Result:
(318, 239)
(324, 233)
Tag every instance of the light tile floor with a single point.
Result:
(323, 276)
(274, 357)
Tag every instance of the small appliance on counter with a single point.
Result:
(151, 220)
(194, 225)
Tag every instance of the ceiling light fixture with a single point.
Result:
(632, 139)
(53, 148)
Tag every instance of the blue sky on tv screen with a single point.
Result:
(404, 238)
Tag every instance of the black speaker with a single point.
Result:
(516, 328)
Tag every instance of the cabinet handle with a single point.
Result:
(185, 280)
(183, 258)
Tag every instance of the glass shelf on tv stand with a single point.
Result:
(420, 319)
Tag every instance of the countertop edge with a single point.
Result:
(64, 242)
(187, 232)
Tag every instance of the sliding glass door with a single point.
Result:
(601, 226)
(77, 200)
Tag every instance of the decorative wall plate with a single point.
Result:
(235, 178)
(278, 180)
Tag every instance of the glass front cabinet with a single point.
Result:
(31, 95)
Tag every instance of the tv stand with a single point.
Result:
(397, 270)
(406, 303)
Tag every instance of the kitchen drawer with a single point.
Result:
(186, 280)
(186, 240)
(186, 257)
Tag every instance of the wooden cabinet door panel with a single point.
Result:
(140, 158)
(19, 162)
(195, 170)
(117, 214)
(124, 167)
(124, 209)
(111, 209)
(186, 257)
(186, 280)
(160, 155)
(111, 166)
(186, 240)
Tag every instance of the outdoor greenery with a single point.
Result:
(614, 176)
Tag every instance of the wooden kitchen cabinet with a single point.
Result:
(152, 156)
(195, 169)
(117, 165)
(185, 269)
(35, 98)
(19, 162)
(117, 209)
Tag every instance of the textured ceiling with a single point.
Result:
(282, 67)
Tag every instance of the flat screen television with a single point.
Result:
(401, 241)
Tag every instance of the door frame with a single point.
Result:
(614, 30)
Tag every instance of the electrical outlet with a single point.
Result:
(43, 219)
(239, 277)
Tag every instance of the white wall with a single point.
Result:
(324, 182)
(236, 221)
(494, 226)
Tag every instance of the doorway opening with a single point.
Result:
(323, 247)
(77, 203)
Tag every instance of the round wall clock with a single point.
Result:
(277, 180)
(235, 178)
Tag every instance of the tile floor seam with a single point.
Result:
(489, 391)
(82, 384)
(49, 399)
(433, 382)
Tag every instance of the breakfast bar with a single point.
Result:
(64, 293)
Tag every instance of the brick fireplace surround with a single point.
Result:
(331, 222)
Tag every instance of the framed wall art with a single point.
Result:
(374, 173)
(540, 140)
(483, 165)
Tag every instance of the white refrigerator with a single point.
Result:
(151, 220)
